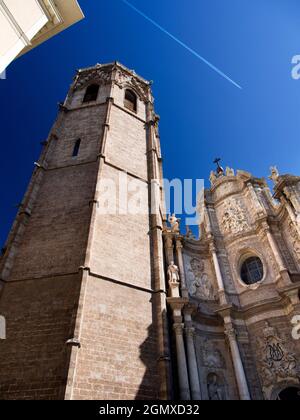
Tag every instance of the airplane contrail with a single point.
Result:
(181, 43)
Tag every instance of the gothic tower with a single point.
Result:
(82, 291)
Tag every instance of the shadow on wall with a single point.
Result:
(150, 386)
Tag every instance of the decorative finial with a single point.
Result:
(220, 170)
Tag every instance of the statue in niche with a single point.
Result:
(215, 388)
(173, 273)
(175, 223)
(200, 286)
(234, 218)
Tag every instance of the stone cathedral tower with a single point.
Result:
(83, 292)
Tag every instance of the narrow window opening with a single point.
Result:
(76, 148)
(130, 101)
(91, 93)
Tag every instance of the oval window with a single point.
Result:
(252, 271)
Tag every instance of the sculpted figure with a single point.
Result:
(173, 273)
(175, 223)
(274, 174)
(215, 390)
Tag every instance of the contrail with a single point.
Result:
(182, 44)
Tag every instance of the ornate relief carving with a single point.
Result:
(295, 239)
(97, 75)
(124, 79)
(200, 285)
(234, 218)
(211, 356)
(276, 363)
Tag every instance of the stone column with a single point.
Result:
(275, 250)
(192, 364)
(237, 363)
(184, 387)
(221, 288)
(168, 237)
(179, 247)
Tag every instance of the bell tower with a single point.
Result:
(82, 273)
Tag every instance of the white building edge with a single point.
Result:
(24, 24)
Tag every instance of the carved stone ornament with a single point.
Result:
(98, 74)
(234, 218)
(230, 171)
(275, 362)
(211, 356)
(200, 286)
(295, 239)
(125, 79)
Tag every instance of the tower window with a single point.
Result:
(91, 93)
(130, 101)
(252, 271)
(76, 148)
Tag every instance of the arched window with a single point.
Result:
(91, 93)
(252, 271)
(130, 101)
(76, 148)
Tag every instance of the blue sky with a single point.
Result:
(202, 114)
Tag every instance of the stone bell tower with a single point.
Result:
(83, 291)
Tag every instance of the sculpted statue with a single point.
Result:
(173, 273)
(274, 174)
(215, 390)
(229, 171)
(175, 223)
(213, 177)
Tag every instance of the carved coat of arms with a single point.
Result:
(275, 362)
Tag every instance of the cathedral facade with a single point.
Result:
(124, 306)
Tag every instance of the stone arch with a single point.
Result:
(286, 391)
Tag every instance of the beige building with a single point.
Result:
(123, 306)
(24, 24)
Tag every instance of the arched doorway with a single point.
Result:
(291, 393)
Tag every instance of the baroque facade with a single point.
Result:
(239, 290)
(123, 306)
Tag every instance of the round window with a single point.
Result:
(252, 271)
